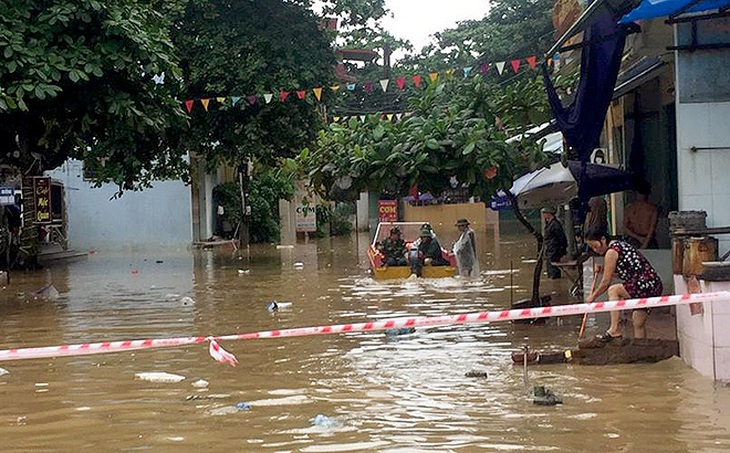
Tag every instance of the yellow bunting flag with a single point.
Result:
(449, 72)
(336, 119)
(390, 116)
(220, 99)
(433, 76)
(335, 88)
(205, 103)
(317, 93)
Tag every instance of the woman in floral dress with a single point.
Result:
(638, 279)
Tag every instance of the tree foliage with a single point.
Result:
(77, 81)
(456, 133)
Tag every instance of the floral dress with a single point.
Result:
(638, 276)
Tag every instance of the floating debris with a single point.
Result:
(200, 384)
(298, 265)
(243, 406)
(399, 331)
(545, 397)
(211, 396)
(324, 421)
(477, 374)
(48, 292)
(280, 247)
(187, 300)
(159, 376)
(3, 372)
(275, 305)
(244, 271)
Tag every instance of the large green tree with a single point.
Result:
(77, 81)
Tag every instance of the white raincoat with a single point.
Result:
(465, 250)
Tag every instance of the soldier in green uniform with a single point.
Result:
(394, 248)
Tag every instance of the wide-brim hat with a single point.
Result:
(462, 222)
(548, 210)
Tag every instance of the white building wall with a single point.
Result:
(156, 218)
(704, 175)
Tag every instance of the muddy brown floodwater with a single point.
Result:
(378, 393)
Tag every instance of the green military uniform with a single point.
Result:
(394, 251)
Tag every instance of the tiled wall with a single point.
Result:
(704, 176)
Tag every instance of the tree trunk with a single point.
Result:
(538, 238)
(244, 236)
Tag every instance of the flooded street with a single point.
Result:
(379, 393)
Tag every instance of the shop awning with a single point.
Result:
(637, 75)
(650, 9)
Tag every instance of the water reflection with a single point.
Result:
(401, 393)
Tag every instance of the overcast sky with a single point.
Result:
(416, 20)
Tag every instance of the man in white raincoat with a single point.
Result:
(465, 250)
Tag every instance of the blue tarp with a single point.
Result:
(650, 9)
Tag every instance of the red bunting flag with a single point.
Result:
(317, 93)
(205, 103)
(417, 80)
(284, 95)
(515, 65)
(189, 105)
(484, 68)
(401, 81)
(368, 87)
(301, 94)
(532, 61)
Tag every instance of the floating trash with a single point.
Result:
(298, 265)
(545, 397)
(48, 292)
(243, 406)
(324, 421)
(200, 384)
(3, 372)
(244, 271)
(210, 396)
(275, 305)
(159, 261)
(399, 331)
(477, 374)
(187, 300)
(159, 376)
(280, 247)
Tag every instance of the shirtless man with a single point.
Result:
(640, 219)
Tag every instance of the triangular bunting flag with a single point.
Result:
(301, 94)
(398, 116)
(221, 100)
(433, 76)
(384, 84)
(467, 71)
(317, 93)
(284, 95)
(362, 118)
(368, 87)
(336, 119)
(417, 80)
(251, 99)
(235, 99)
(484, 68)
(449, 72)
(390, 116)
(351, 87)
(189, 105)
(515, 65)
(401, 81)
(500, 67)
(532, 61)
(335, 88)
(268, 97)
(205, 103)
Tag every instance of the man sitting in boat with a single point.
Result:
(394, 248)
(425, 251)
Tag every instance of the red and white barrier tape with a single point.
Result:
(223, 356)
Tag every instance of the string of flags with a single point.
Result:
(416, 80)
